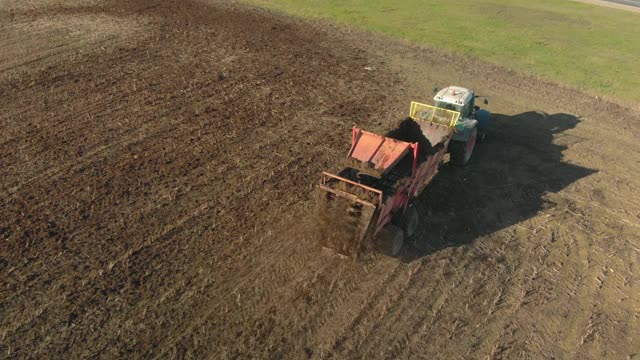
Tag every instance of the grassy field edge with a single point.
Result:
(586, 46)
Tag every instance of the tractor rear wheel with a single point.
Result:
(390, 239)
(461, 151)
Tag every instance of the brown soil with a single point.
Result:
(157, 164)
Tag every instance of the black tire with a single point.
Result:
(390, 239)
(408, 222)
(461, 151)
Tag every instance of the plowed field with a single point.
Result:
(157, 166)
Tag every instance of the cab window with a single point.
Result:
(448, 106)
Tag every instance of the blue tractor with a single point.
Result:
(472, 124)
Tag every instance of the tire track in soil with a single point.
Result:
(214, 161)
(279, 287)
(540, 291)
(143, 245)
(368, 318)
(278, 250)
(344, 320)
(332, 302)
(283, 293)
(401, 323)
(132, 252)
(499, 342)
(429, 329)
(130, 138)
(532, 289)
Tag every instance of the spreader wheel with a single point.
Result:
(390, 239)
(461, 151)
(411, 220)
(408, 221)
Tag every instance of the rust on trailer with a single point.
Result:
(348, 196)
(323, 185)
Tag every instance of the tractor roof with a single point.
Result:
(454, 95)
(381, 152)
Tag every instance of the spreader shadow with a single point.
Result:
(504, 184)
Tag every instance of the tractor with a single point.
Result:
(472, 124)
(369, 203)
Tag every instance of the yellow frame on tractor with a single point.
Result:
(430, 113)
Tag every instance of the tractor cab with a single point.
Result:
(462, 100)
(472, 123)
(456, 98)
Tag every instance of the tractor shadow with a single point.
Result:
(505, 182)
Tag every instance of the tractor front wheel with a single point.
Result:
(461, 151)
(390, 239)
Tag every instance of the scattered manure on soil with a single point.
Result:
(341, 223)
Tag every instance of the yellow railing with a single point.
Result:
(433, 114)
